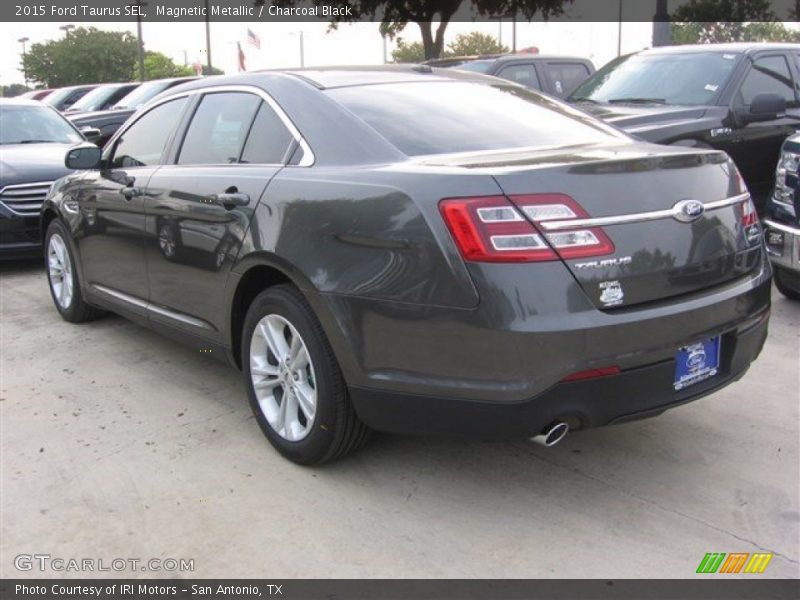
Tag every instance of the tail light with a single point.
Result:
(749, 214)
(492, 229)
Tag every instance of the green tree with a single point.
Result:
(11, 90)
(396, 14)
(408, 53)
(160, 66)
(84, 55)
(469, 44)
(718, 21)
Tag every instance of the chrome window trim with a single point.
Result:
(634, 217)
(308, 155)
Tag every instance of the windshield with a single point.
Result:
(694, 78)
(55, 98)
(143, 94)
(94, 99)
(423, 118)
(477, 66)
(34, 125)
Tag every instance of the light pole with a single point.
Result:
(140, 41)
(661, 25)
(22, 41)
(619, 31)
(208, 39)
(302, 49)
(66, 29)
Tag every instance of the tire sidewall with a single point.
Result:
(70, 311)
(315, 445)
(790, 293)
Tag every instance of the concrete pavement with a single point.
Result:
(119, 443)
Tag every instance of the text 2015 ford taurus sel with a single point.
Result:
(415, 251)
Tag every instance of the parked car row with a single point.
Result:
(354, 241)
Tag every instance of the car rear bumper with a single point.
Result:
(633, 394)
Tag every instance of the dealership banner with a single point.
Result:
(330, 10)
(432, 589)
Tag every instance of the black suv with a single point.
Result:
(740, 98)
(554, 75)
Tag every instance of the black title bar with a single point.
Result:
(314, 10)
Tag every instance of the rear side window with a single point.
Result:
(566, 76)
(521, 74)
(218, 129)
(454, 116)
(143, 143)
(269, 139)
(769, 74)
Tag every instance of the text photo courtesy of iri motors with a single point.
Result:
(325, 299)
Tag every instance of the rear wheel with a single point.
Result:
(63, 277)
(295, 386)
(783, 288)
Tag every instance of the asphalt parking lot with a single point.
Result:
(119, 443)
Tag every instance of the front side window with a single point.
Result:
(454, 116)
(219, 128)
(144, 142)
(521, 74)
(769, 74)
(690, 79)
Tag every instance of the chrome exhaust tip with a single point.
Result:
(552, 434)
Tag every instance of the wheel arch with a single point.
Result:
(258, 272)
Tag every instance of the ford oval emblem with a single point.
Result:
(687, 211)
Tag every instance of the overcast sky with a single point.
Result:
(359, 43)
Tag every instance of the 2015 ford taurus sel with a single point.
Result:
(415, 251)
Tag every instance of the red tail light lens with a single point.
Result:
(492, 229)
(749, 214)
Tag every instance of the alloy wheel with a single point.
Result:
(59, 270)
(283, 377)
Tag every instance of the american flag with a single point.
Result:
(253, 39)
(240, 52)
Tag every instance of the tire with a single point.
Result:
(280, 317)
(790, 293)
(62, 276)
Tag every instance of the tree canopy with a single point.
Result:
(395, 15)
(718, 21)
(465, 44)
(84, 55)
(160, 66)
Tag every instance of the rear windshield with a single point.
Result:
(477, 66)
(446, 117)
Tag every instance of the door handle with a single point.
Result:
(130, 191)
(230, 200)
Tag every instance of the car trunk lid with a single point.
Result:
(678, 220)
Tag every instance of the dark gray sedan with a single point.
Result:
(415, 251)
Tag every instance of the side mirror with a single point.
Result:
(83, 156)
(92, 134)
(765, 107)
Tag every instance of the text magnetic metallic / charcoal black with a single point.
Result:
(374, 255)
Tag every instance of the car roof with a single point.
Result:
(518, 57)
(732, 48)
(335, 77)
